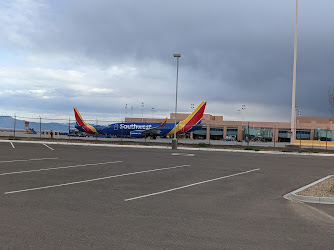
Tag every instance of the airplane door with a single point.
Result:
(115, 126)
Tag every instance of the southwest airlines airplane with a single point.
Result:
(126, 129)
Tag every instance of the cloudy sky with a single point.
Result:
(100, 55)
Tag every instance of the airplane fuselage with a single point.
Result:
(142, 129)
(128, 128)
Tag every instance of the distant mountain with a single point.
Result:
(8, 122)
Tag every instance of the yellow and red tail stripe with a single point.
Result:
(88, 128)
(193, 119)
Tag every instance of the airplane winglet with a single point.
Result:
(163, 123)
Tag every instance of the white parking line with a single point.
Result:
(47, 146)
(46, 169)
(12, 144)
(190, 185)
(183, 154)
(97, 179)
(41, 159)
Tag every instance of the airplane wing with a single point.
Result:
(154, 130)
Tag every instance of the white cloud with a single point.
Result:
(28, 93)
(60, 54)
(107, 88)
(18, 20)
(102, 91)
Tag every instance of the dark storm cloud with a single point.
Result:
(239, 51)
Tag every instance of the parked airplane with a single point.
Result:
(142, 129)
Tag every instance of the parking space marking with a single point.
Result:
(47, 146)
(183, 154)
(12, 144)
(40, 159)
(96, 179)
(190, 185)
(46, 169)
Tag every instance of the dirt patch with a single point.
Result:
(321, 189)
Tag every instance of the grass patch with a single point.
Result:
(250, 148)
(287, 151)
(203, 144)
(14, 138)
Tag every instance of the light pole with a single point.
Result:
(14, 123)
(142, 112)
(243, 108)
(299, 112)
(40, 127)
(152, 112)
(174, 141)
(126, 110)
(293, 115)
(192, 106)
(69, 127)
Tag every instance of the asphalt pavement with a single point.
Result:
(84, 197)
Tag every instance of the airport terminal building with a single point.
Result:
(215, 128)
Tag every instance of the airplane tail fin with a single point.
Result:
(193, 119)
(78, 118)
(81, 123)
(196, 116)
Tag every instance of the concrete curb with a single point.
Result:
(312, 199)
(169, 147)
(255, 152)
(86, 144)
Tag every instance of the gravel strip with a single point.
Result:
(321, 189)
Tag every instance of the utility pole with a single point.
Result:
(142, 112)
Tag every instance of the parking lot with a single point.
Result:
(96, 197)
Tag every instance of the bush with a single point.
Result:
(203, 144)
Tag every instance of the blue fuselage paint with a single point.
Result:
(125, 128)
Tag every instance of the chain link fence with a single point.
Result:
(58, 128)
(64, 128)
